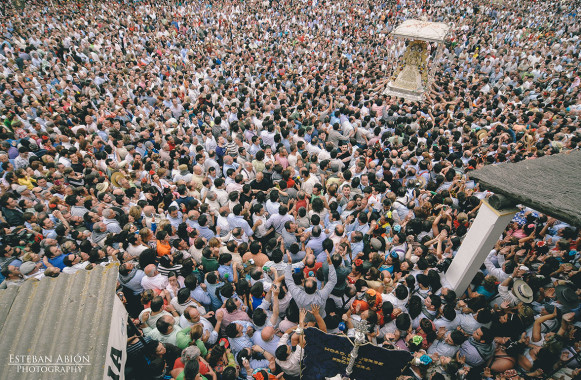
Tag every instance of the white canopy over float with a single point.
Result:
(422, 30)
(410, 78)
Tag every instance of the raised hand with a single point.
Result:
(275, 290)
(302, 315)
(441, 332)
(315, 309)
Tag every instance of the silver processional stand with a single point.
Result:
(360, 339)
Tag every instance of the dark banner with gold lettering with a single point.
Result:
(327, 355)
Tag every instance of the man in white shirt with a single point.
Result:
(500, 273)
(473, 321)
(311, 180)
(398, 298)
(289, 360)
(192, 316)
(166, 330)
(312, 147)
(73, 263)
(30, 269)
(153, 279)
(267, 136)
(220, 190)
(448, 344)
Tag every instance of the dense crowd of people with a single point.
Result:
(240, 163)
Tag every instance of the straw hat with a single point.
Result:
(482, 134)
(421, 181)
(102, 187)
(115, 178)
(522, 291)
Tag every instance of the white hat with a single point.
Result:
(27, 267)
(522, 291)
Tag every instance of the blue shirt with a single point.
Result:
(316, 243)
(226, 269)
(480, 290)
(356, 226)
(239, 221)
(58, 261)
(211, 289)
(388, 268)
(201, 296)
(205, 232)
(356, 248)
(226, 167)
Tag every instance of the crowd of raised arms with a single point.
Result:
(240, 163)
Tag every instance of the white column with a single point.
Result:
(479, 241)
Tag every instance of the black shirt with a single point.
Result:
(263, 185)
(245, 198)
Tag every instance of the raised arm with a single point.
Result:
(302, 315)
(288, 278)
(537, 325)
(332, 280)
(275, 304)
(235, 271)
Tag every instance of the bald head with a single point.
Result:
(198, 170)
(150, 270)
(193, 315)
(267, 333)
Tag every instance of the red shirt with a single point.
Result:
(314, 270)
(301, 203)
(157, 293)
(203, 367)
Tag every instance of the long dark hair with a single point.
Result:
(428, 328)
(216, 354)
(183, 232)
(415, 306)
(434, 279)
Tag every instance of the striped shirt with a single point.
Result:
(78, 211)
(241, 342)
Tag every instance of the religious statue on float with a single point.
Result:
(410, 77)
(412, 73)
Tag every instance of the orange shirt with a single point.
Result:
(163, 248)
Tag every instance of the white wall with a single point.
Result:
(479, 241)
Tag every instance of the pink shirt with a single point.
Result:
(283, 161)
(237, 315)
